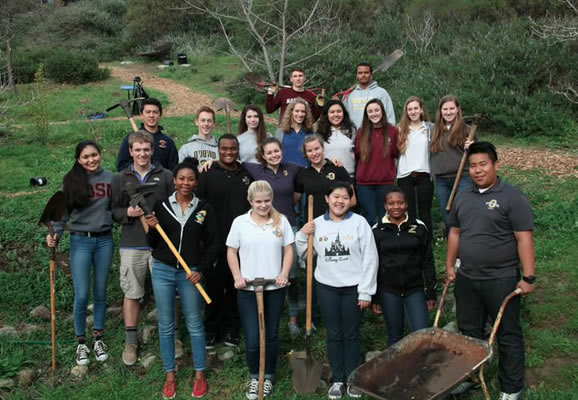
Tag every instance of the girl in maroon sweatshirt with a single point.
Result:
(375, 154)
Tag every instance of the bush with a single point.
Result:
(64, 66)
(25, 63)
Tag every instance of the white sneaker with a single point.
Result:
(252, 389)
(511, 396)
(82, 354)
(353, 392)
(336, 391)
(100, 350)
(267, 387)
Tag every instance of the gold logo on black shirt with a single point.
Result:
(331, 176)
(492, 204)
(246, 180)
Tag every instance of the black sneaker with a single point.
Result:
(210, 342)
(100, 350)
(82, 354)
(232, 340)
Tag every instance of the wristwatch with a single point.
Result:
(529, 279)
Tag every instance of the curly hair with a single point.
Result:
(285, 124)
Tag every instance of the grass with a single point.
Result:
(550, 319)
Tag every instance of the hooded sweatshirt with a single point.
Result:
(202, 150)
(356, 100)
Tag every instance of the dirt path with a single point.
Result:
(184, 101)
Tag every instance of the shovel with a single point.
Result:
(223, 103)
(307, 371)
(53, 211)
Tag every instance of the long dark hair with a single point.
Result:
(261, 131)
(458, 131)
(75, 182)
(366, 131)
(324, 126)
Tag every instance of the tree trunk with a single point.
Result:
(9, 64)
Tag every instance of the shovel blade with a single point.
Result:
(54, 209)
(306, 373)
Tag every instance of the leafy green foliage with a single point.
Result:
(64, 66)
(147, 20)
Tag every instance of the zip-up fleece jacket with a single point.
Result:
(377, 170)
(356, 100)
(132, 232)
(165, 152)
(200, 149)
(406, 263)
(196, 240)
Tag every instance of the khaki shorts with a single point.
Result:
(133, 270)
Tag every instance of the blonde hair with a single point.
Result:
(264, 187)
(285, 124)
(403, 127)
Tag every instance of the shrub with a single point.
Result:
(64, 66)
(25, 63)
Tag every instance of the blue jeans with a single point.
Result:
(273, 306)
(342, 319)
(371, 198)
(166, 281)
(293, 289)
(443, 190)
(396, 309)
(84, 253)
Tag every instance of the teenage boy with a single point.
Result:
(165, 151)
(203, 146)
(491, 231)
(286, 96)
(365, 90)
(135, 254)
(224, 186)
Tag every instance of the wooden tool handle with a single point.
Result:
(144, 224)
(461, 169)
(133, 124)
(262, 346)
(53, 313)
(182, 261)
(309, 293)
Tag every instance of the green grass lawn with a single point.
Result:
(550, 318)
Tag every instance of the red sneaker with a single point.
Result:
(200, 387)
(169, 390)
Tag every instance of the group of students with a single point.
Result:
(233, 207)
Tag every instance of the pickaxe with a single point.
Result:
(125, 105)
(137, 199)
(223, 103)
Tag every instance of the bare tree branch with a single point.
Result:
(558, 30)
(421, 36)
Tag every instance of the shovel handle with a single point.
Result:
(262, 346)
(471, 136)
(309, 294)
(441, 303)
(53, 312)
(181, 261)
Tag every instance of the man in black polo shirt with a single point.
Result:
(491, 229)
(224, 186)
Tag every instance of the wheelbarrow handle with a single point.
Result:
(441, 303)
(507, 299)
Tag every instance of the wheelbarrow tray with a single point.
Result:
(424, 365)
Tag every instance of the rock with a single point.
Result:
(26, 377)
(40, 312)
(78, 371)
(89, 319)
(227, 354)
(451, 326)
(8, 331)
(372, 354)
(90, 308)
(27, 329)
(152, 316)
(148, 360)
(147, 333)
(6, 383)
(114, 310)
(213, 362)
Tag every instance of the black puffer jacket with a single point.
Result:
(406, 262)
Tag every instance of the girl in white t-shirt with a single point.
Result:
(259, 245)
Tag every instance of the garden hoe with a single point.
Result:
(306, 370)
(126, 106)
(223, 103)
(137, 199)
(471, 136)
(54, 210)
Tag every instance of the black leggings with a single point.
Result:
(418, 192)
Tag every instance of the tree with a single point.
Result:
(272, 25)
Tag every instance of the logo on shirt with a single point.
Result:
(492, 204)
(200, 217)
(336, 249)
(277, 232)
(323, 238)
(412, 229)
(285, 173)
(162, 144)
(246, 180)
(330, 176)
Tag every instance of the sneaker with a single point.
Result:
(464, 387)
(129, 355)
(252, 389)
(179, 351)
(267, 387)
(82, 354)
(336, 391)
(200, 387)
(511, 396)
(210, 342)
(353, 392)
(232, 340)
(169, 390)
(100, 350)
(294, 330)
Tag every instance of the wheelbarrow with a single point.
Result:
(427, 364)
